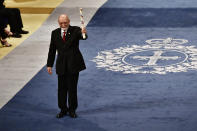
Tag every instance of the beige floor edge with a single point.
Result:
(30, 26)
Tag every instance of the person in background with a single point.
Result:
(4, 32)
(14, 19)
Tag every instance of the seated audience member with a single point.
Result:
(4, 32)
(14, 19)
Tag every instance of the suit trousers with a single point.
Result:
(14, 18)
(67, 91)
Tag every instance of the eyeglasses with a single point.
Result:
(61, 23)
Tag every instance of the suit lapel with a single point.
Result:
(59, 34)
(68, 33)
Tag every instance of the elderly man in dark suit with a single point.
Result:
(65, 40)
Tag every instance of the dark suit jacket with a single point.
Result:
(69, 58)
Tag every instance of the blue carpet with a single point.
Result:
(113, 100)
(145, 17)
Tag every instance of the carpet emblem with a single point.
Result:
(159, 56)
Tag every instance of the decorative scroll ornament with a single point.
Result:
(159, 56)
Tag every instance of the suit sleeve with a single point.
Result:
(80, 36)
(52, 52)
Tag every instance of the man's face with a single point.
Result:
(64, 22)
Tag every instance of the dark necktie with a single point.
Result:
(64, 36)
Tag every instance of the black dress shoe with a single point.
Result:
(61, 114)
(16, 35)
(72, 114)
(23, 32)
